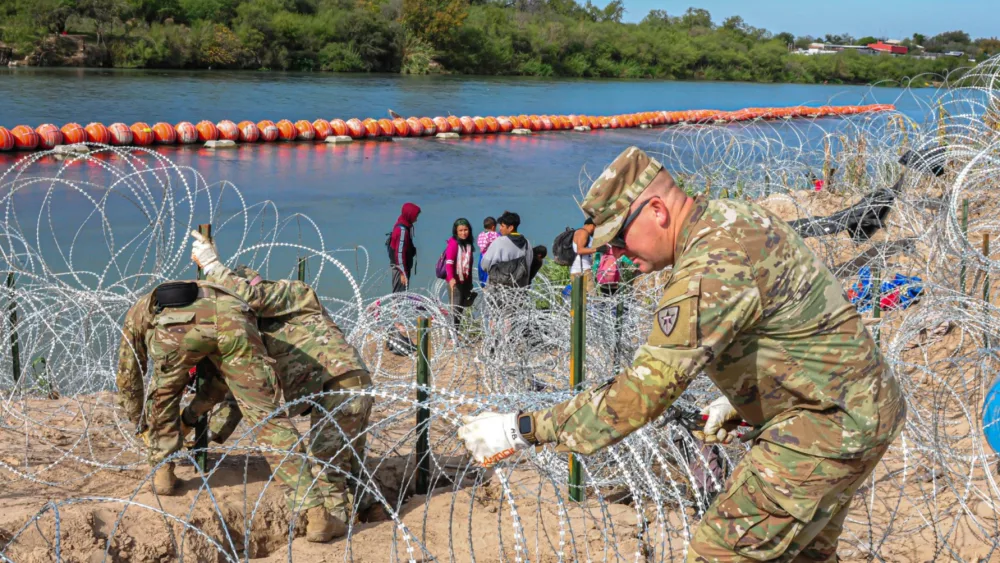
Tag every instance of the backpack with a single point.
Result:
(562, 247)
(511, 273)
(441, 270)
(388, 245)
(607, 270)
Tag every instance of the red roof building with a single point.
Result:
(887, 48)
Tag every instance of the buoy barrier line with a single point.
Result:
(47, 136)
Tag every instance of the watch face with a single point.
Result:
(524, 424)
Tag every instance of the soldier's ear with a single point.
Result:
(661, 212)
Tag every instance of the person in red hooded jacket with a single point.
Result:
(402, 251)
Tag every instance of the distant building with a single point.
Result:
(889, 48)
(830, 49)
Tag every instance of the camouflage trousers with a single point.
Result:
(337, 434)
(222, 329)
(786, 506)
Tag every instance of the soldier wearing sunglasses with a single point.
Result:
(751, 306)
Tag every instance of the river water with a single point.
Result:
(354, 192)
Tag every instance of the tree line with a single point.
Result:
(486, 37)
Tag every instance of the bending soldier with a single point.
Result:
(180, 324)
(310, 356)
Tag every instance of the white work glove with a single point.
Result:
(203, 252)
(491, 437)
(720, 412)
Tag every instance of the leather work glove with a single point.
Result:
(203, 252)
(720, 415)
(491, 437)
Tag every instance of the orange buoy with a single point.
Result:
(416, 128)
(355, 128)
(371, 127)
(631, 121)
(466, 125)
(340, 128)
(455, 123)
(479, 125)
(120, 134)
(25, 137)
(6, 139)
(97, 133)
(515, 122)
(546, 122)
(492, 125)
(286, 130)
(207, 131)
(305, 129)
(400, 127)
(575, 120)
(249, 132)
(268, 131)
(323, 129)
(536, 123)
(228, 131)
(430, 128)
(48, 136)
(614, 122)
(142, 134)
(504, 124)
(442, 124)
(186, 133)
(73, 133)
(385, 128)
(164, 133)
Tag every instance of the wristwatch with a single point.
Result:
(526, 426)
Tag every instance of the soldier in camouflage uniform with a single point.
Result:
(310, 356)
(750, 305)
(219, 326)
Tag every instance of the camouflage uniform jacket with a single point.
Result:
(749, 304)
(309, 348)
(133, 352)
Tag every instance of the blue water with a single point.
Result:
(354, 192)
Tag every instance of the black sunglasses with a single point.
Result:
(619, 239)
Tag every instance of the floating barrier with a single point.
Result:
(142, 134)
(46, 136)
(49, 136)
(120, 134)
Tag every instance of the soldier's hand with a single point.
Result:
(203, 252)
(720, 415)
(491, 437)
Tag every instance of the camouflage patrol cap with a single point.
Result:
(613, 192)
(246, 272)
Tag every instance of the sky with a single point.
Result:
(893, 19)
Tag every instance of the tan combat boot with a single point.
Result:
(322, 527)
(164, 480)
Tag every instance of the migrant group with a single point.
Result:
(506, 258)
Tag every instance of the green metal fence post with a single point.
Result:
(15, 347)
(986, 288)
(423, 412)
(578, 339)
(201, 425)
(965, 233)
(876, 292)
(302, 269)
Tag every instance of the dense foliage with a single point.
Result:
(497, 37)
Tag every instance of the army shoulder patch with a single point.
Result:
(676, 318)
(667, 318)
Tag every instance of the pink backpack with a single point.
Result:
(607, 270)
